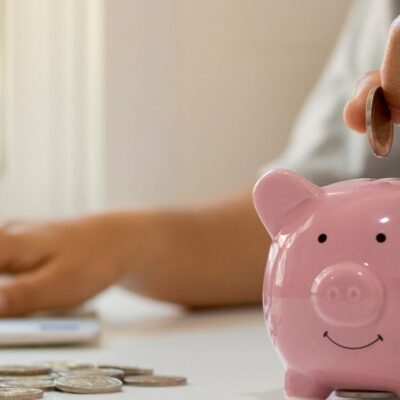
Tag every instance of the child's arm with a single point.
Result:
(209, 256)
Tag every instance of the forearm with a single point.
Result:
(213, 256)
(209, 256)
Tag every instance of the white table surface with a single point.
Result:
(224, 354)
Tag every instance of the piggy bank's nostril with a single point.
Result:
(353, 294)
(333, 294)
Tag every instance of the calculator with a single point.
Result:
(49, 330)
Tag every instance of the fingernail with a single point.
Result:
(3, 303)
(360, 83)
(395, 113)
(357, 88)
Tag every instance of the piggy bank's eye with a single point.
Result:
(380, 237)
(322, 238)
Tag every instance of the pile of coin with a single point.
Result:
(29, 382)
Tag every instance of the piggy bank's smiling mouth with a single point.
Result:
(379, 338)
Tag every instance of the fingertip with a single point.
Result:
(354, 116)
(354, 110)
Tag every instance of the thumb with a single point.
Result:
(390, 70)
(354, 111)
(20, 251)
(36, 290)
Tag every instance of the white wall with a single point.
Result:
(24, 177)
(200, 93)
(197, 94)
(50, 80)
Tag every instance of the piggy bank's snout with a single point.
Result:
(347, 294)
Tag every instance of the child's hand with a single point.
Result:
(58, 265)
(388, 77)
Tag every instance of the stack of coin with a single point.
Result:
(29, 382)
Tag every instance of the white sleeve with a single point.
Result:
(322, 148)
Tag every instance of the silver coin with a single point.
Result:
(129, 370)
(14, 378)
(112, 372)
(24, 370)
(43, 384)
(21, 394)
(379, 122)
(365, 395)
(155, 380)
(95, 384)
(57, 365)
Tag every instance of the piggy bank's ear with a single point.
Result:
(277, 193)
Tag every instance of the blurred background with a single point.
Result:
(109, 103)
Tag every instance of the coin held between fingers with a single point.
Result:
(379, 122)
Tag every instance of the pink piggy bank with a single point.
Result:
(332, 282)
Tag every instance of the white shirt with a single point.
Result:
(322, 148)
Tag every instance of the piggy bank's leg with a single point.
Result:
(300, 387)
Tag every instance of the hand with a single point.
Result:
(196, 257)
(388, 77)
(59, 265)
